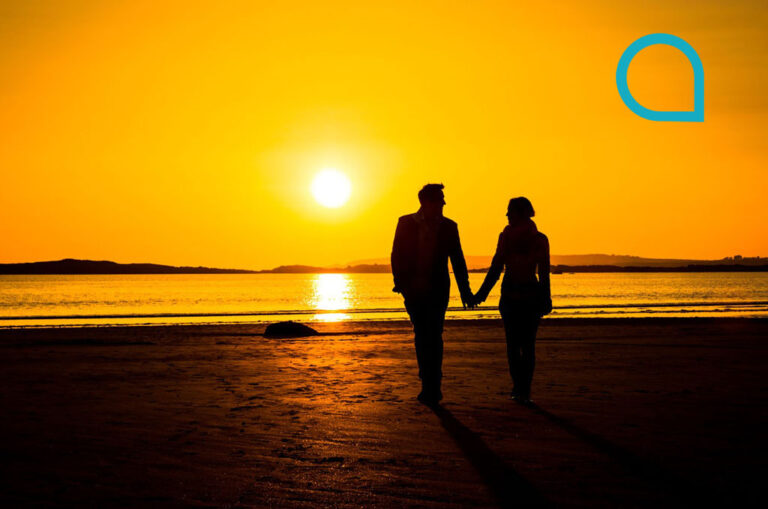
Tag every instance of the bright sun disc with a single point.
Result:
(331, 188)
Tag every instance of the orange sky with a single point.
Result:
(189, 133)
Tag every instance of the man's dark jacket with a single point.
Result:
(405, 259)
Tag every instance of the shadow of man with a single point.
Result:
(508, 487)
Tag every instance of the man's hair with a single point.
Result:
(521, 206)
(431, 192)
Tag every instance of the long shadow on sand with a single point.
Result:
(507, 486)
(634, 464)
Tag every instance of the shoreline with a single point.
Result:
(356, 324)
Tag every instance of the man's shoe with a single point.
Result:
(426, 399)
(430, 398)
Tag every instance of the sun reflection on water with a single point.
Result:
(331, 292)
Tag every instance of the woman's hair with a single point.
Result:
(521, 206)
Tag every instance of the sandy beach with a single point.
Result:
(630, 413)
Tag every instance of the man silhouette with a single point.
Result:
(423, 243)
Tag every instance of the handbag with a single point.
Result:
(543, 300)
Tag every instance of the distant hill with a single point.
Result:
(556, 269)
(481, 262)
(349, 269)
(564, 269)
(637, 261)
(473, 262)
(71, 266)
(609, 263)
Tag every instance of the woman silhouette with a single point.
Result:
(523, 250)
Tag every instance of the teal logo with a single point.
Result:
(697, 115)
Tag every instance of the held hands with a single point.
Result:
(471, 301)
(478, 299)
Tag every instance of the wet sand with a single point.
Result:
(631, 413)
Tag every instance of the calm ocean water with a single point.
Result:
(224, 298)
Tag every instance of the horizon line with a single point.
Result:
(373, 261)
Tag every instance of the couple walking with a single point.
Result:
(423, 243)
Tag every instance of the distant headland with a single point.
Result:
(578, 263)
(72, 266)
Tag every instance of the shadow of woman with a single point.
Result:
(508, 487)
(675, 487)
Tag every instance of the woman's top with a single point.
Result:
(521, 250)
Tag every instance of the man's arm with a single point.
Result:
(460, 271)
(397, 261)
(543, 266)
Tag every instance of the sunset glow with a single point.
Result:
(129, 133)
(331, 292)
(331, 188)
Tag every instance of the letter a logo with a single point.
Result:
(697, 115)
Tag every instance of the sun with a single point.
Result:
(331, 188)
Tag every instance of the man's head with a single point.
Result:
(432, 199)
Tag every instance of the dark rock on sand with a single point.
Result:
(289, 330)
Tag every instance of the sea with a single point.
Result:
(110, 300)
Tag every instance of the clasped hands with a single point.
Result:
(472, 301)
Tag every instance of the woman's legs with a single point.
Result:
(529, 325)
(513, 351)
(520, 326)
